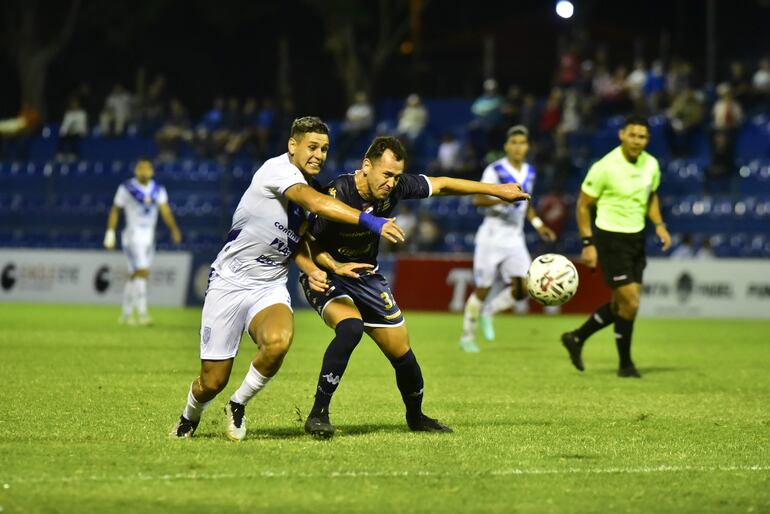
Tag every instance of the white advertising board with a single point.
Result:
(706, 288)
(85, 276)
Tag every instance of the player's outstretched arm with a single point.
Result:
(334, 210)
(653, 212)
(168, 219)
(445, 186)
(112, 225)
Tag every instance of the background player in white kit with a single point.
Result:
(501, 249)
(141, 198)
(247, 285)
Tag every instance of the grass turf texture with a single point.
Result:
(87, 405)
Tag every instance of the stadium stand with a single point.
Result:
(48, 203)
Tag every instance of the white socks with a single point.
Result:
(128, 299)
(502, 302)
(471, 316)
(252, 384)
(194, 409)
(135, 295)
(140, 295)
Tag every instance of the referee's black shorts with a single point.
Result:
(621, 256)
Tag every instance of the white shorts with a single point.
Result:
(139, 248)
(227, 312)
(489, 261)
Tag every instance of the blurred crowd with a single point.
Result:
(587, 89)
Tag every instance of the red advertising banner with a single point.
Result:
(434, 283)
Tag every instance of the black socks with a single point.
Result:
(348, 334)
(623, 329)
(602, 317)
(409, 381)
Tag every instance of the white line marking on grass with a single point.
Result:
(141, 477)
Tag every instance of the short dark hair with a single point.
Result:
(307, 125)
(636, 119)
(382, 143)
(517, 130)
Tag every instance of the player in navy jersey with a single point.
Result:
(359, 299)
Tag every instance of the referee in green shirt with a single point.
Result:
(622, 187)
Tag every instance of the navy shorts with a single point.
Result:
(370, 293)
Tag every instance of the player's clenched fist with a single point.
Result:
(318, 281)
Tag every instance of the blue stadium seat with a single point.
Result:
(754, 177)
(753, 140)
(24, 177)
(682, 177)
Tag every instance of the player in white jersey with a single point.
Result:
(141, 198)
(247, 284)
(501, 250)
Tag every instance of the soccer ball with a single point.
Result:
(552, 279)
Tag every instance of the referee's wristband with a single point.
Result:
(588, 241)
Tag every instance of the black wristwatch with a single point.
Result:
(588, 241)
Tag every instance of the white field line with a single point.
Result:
(142, 477)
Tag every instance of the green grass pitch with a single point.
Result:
(86, 406)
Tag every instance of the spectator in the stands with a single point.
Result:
(679, 77)
(210, 123)
(18, 130)
(412, 119)
(550, 115)
(529, 113)
(453, 158)
(740, 83)
(487, 115)
(727, 117)
(610, 90)
(116, 114)
(88, 100)
(176, 130)
(706, 250)
(510, 110)
(685, 117)
(685, 249)
(359, 121)
(153, 106)
(74, 127)
(637, 79)
(231, 125)
(570, 114)
(568, 71)
(727, 113)
(428, 233)
(655, 86)
(266, 128)
(760, 85)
